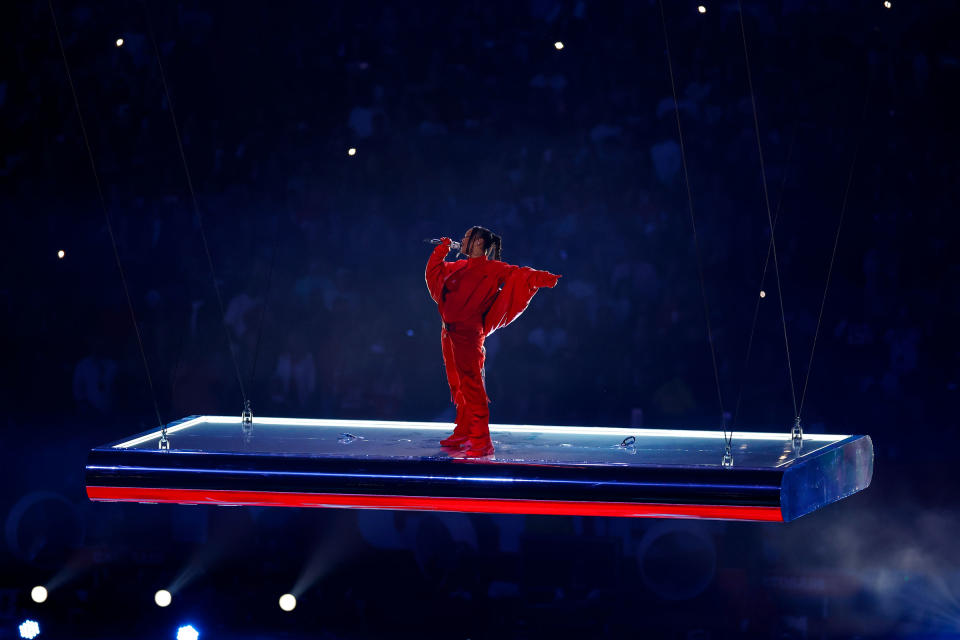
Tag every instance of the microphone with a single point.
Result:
(453, 245)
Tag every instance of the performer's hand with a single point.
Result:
(545, 279)
(445, 243)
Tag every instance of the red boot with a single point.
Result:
(478, 430)
(480, 449)
(454, 441)
(459, 436)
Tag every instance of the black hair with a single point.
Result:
(492, 243)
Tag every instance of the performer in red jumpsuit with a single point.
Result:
(476, 297)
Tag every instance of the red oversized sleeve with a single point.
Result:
(504, 272)
(533, 277)
(437, 270)
(520, 285)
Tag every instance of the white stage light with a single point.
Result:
(187, 633)
(763, 294)
(60, 254)
(558, 45)
(29, 629)
(887, 4)
(351, 151)
(162, 598)
(39, 594)
(702, 9)
(288, 602)
(119, 42)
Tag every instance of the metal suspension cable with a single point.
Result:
(763, 277)
(686, 175)
(106, 215)
(766, 199)
(196, 206)
(833, 255)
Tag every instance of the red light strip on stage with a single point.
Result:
(429, 503)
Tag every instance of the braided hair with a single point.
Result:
(492, 243)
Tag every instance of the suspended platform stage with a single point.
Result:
(369, 464)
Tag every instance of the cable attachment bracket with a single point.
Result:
(727, 461)
(797, 433)
(246, 417)
(164, 443)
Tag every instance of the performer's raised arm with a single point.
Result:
(506, 270)
(541, 279)
(535, 279)
(437, 269)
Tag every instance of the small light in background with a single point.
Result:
(288, 602)
(702, 9)
(119, 42)
(410, 333)
(351, 151)
(887, 4)
(39, 594)
(763, 294)
(60, 254)
(162, 598)
(187, 633)
(29, 629)
(558, 45)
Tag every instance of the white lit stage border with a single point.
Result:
(369, 464)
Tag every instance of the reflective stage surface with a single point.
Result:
(536, 469)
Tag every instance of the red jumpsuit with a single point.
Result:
(475, 297)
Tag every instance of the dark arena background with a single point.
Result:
(210, 202)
